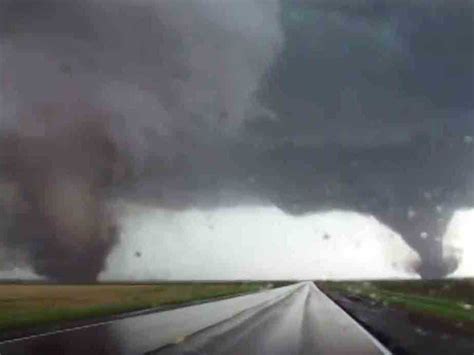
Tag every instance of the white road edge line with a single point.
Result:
(57, 332)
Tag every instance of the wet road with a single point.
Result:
(406, 332)
(297, 319)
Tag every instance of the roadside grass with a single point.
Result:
(24, 306)
(432, 298)
(461, 290)
(437, 307)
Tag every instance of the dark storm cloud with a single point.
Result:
(362, 105)
(374, 102)
(370, 110)
(393, 69)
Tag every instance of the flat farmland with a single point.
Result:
(24, 306)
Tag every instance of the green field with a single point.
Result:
(449, 300)
(24, 306)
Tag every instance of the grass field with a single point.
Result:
(451, 300)
(24, 306)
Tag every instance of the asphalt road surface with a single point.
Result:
(297, 319)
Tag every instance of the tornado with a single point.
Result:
(116, 99)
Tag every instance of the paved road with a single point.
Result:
(297, 319)
(406, 332)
